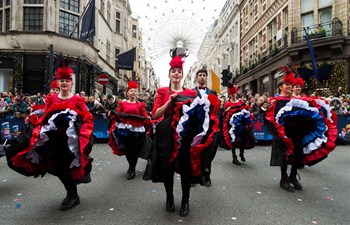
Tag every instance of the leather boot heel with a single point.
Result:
(284, 183)
(293, 180)
(236, 162)
(70, 201)
(131, 175)
(185, 209)
(242, 157)
(170, 206)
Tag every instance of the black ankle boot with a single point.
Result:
(170, 206)
(185, 209)
(206, 178)
(284, 183)
(242, 156)
(293, 180)
(235, 161)
(71, 200)
(131, 175)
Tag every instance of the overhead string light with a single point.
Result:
(171, 21)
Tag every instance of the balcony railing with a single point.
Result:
(327, 29)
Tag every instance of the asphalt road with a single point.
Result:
(247, 194)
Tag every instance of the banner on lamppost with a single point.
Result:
(312, 54)
(126, 60)
(215, 82)
(88, 22)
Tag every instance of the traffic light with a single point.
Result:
(225, 77)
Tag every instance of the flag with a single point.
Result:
(88, 22)
(312, 54)
(215, 82)
(126, 60)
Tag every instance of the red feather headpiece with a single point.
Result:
(299, 82)
(64, 72)
(54, 84)
(132, 84)
(232, 89)
(176, 62)
(288, 77)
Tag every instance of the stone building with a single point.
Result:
(29, 27)
(273, 34)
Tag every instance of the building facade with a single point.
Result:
(273, 34)
(29, 28)
(221, 45)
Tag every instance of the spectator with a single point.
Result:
(40, 99)
(149, 102)
(263, 108)
(11, 96)
(345, 108)
(82, 94)
(6, 97)
(18, 107)
(222, 100)
(111, 104)
(140, 97)
(90, 103)
(254, 107)
(3, 104)
(336, 106)
(339, 92)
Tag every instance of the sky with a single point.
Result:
(163, 22)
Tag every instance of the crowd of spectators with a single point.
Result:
(18, 105)
(339, 103)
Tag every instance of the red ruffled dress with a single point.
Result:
(130, 121)
(238, 121)
(64, 132)
(306, 123)
(186, 130)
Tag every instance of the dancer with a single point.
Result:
(60, 142)
(210, 152)
(127, 131)
(181, 136)
(296, 88)
(238, 121)
(303, 132)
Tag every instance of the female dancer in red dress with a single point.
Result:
(60, 142)
(297, 85)
(238, 122)
(304, 131)
(181, 135)
(127, 131)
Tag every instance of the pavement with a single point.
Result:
(247, 194)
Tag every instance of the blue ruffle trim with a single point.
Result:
(319, 128)
(194, 124)
(241, 122)
(121, 133)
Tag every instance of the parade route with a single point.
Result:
(247, 194)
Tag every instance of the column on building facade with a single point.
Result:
(271, 85)
(259, 86)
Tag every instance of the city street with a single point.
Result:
(247, 194)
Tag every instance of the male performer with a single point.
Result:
(209, 153)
